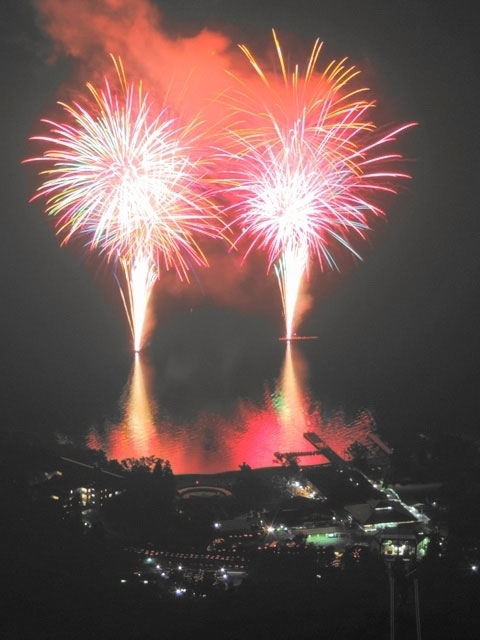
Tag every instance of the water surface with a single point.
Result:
(174, 414)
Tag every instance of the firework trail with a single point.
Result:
(304, 160)
(132, 184)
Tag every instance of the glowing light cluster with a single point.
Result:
(133, 184)
(304, 167)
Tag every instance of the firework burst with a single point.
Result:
(304, 170)
(133, 184)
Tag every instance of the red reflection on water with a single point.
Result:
(137, 434)
(215, 442)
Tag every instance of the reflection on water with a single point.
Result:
(137, 433)
(291, 392)
(215, 441)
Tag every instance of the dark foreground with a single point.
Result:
(64, 579)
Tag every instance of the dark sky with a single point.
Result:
(398, 334)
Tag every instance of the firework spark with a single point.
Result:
(303, 152)
(133, 184)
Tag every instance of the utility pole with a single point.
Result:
(416, 597)
(391, 581)
(417, 609)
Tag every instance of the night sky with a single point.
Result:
(398, 333)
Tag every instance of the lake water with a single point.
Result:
(213, 420)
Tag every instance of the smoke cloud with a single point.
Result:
(187, 72)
